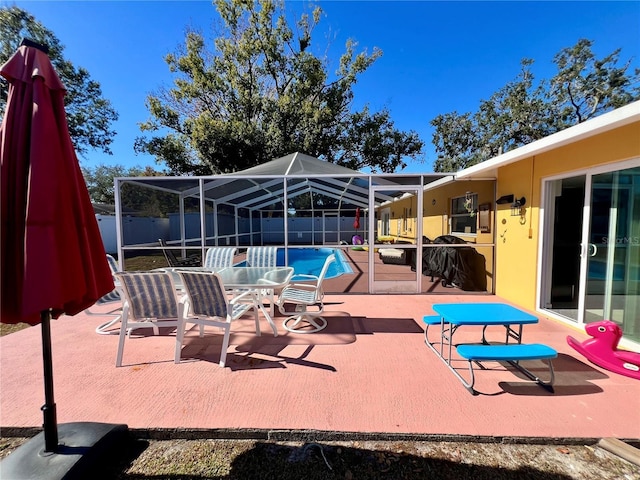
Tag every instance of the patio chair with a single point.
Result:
(219, 257)
(264, 257)
(393, 255)
(207, 304)
(193, 260)
(305, 295)
(149, 302)
(112, 298)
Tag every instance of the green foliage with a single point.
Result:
(145, 202)
(586, 87)
(522, 112)
(99, 180)
(262, 94)
(89, 116)
(134, 199)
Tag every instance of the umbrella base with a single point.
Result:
(83, 448)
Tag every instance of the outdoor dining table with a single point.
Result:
(452, 316)
(252, 279)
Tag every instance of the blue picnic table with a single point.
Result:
(452, 316)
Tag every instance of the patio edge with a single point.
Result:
(283, 435)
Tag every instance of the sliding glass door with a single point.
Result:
(612, 252)
(591, 267)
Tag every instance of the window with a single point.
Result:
(463, 213)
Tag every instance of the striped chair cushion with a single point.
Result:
(113, 265)
(206, 294)
(150, 295)
(239, 309)
(112, 296)
(262, 256)
(219, 257)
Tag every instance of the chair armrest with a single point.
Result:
(239, 298)
(183, 306)
(303, 277)
(301, 286)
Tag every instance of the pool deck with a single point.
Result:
(368, 374)
(358, 281)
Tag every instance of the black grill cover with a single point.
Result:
(461, 267)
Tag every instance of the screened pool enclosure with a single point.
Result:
(294, 201)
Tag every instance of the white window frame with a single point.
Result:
(457, 213)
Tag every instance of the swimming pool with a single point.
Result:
(309, 261)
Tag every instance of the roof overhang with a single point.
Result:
(608, 121)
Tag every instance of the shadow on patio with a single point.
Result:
(368, 372)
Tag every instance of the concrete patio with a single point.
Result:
(369, 372)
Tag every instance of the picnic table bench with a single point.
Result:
(512, 354)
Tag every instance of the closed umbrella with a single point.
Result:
(53, 259)
(356, 221)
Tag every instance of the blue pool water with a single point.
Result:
(598, 270)
(309, 261)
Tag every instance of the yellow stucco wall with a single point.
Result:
(517, 237)
(399, 227)
(436, 211)
(437, 208)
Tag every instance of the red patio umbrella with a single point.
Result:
(356, 221)
(53, 259)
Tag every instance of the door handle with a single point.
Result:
(588, 250)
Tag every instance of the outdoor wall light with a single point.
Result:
(517, 206)
(505, 199)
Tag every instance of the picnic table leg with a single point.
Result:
(469, 385)
(548, 385)
(443, 334)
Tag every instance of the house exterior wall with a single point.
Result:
(437, 209)
(517, 249)
(398, 228)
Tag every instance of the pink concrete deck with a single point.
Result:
(369, 372)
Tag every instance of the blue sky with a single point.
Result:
(438, 57)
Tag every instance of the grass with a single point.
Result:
(6, 329)
(145, 262)
(251, 459)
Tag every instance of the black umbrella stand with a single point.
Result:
(69, 451)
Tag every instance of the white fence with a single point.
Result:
(135, 230)
(146, 230)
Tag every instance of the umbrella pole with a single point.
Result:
(49, 408)
(86, 447)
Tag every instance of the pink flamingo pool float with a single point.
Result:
(603, 350)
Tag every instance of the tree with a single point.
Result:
(456, 144)
(586, 87)
(142, 201)
(522, 112)
(263, 94)
(513, 116)
(89, 116)
(99, 180)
